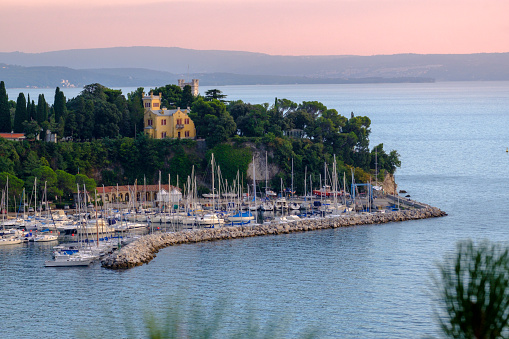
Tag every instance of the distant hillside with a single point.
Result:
(132, 66)
(50, 76)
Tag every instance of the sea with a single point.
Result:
(370, 281)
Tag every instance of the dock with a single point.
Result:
(144, 249)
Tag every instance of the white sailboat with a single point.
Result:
(75, 259)
(7, 239)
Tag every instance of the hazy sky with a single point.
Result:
(283, 27)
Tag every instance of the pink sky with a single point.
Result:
(278, 27)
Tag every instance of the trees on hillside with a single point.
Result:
(309, 133)
(42, 110)
(21, 114)
(5, 114)
(59, 105)
(215, 94)
(187, 97)
(212, 121)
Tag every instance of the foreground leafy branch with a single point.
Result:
(473, 287)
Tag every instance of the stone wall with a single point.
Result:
(144, 249)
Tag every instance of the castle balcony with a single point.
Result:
(179, 126)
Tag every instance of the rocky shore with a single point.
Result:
(144, 249)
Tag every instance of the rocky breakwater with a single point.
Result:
(144, 249)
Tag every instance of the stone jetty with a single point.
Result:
(143, 250)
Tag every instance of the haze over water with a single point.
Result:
(358, 282)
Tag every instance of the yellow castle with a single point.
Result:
(161, 123)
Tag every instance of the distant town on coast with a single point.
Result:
(158, 66)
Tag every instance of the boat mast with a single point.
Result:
(7, 198)
(334, 177)
(254, 181)
(35, 199)
(266, 174)
(292, 180)
(213, 196)
(96, 220)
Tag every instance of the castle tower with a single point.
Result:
(194, 85)
(152, 101)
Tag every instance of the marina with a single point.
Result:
(366, 281)
(88, 233)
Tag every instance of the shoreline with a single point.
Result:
(143, 250)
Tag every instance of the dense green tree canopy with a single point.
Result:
(212, 121)
(187, 97)
(112, 148)
(21, 113)
(215, 94)
(171, 96)
(5, 113)
(42, 109)
(59, 105)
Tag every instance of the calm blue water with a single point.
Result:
(358, 282)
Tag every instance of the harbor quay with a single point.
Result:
(144, 249)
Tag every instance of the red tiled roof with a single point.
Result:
(12, 135)
(139, 188)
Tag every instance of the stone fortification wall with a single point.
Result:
(143, 250)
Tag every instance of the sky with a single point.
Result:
(276, 27)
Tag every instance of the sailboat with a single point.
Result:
(255, 205)
(79, 258)
(293, 205)
(7, 239)
(267, 205)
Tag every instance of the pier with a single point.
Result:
(144, 249)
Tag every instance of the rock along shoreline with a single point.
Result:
(143, 250)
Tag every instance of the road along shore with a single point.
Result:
(143, 250)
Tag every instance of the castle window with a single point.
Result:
(149, 122)
(156, 104)
(147, 104)
(179, 121)
(163, 122)
(163, 135)
(186, 121)
(186, 134)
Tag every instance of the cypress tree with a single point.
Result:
(59, 105)
(187, 97)
(28, 107)
(21, 114)
(32, 112)
(5, 113)
(42, 109)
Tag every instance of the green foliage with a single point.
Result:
(31, 128)
(187, 97)
(171, 96)
(388, 162)
(42, 109)
(82, 180)
(193, 320)
(8, 156)
(15, 184)
(105, 122)
(231, 160)
(59, 105)
(66, 183)
(5, 113)
(215, 94)
(135, 107)
(21, 114)
(212, 121)
(473, 288)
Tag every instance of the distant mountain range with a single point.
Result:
(156, 66)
